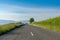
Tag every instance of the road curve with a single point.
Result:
(28, 32)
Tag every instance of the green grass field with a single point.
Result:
(51, 24)
(8, 27)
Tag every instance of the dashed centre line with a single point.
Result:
(32, 34)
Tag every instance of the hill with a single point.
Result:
(2, 22)
(51, 24)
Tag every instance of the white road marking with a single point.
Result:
(32, 34)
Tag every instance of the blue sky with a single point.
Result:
(18, 10)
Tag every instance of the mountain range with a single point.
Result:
(6, 22)
(2, 22)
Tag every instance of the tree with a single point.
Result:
(31, 20)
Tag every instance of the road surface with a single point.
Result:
(28, 32)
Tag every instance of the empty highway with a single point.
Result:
(28, 32)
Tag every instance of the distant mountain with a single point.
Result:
(6, 22)
(25, 21)
(2, 22)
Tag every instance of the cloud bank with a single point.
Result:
(18, 13)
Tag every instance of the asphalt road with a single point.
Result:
(28, 32)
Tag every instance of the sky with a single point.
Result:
(18, 10)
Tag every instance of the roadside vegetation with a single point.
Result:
(31, 20)
(51, 24)
(8, 27)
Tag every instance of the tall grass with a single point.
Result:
(52, 24)
(8, 27)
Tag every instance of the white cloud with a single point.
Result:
(17, 13)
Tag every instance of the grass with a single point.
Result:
(8, 27)
(51, 24)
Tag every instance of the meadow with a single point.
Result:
(50, 24)
(8, 27)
